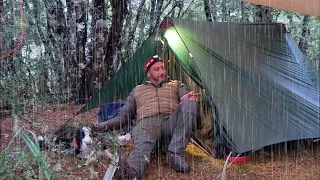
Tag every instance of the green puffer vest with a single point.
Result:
(151, 100)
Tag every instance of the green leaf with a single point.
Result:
(35, 149)
(36, 143)
(30, 144)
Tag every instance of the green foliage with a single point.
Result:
(11, 164)
(16, 89)
(36, 72)
(24, 162)
(294, 23)
(44, 170)
(113, 141)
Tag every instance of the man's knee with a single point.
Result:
(189, 106)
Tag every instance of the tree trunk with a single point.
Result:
(224, 11)
(119, 12)
(152, 15)
(318, 61)
(99, 10)
(173, 11)
(43, 77)
(263, 14)
(141, 33)
(15, 118)
(305, 32)
(1, 7)
(154, 22)
(6, 42)
(71, 62)
(244, 16)
(207, 10)
(187, 9)
(56, 28)
(85, 90)
(180, 5)
(89, 51)
(1, 53)
(160, 10)
(133, 30)
(1, 29)
(214, 10)
(99, 36)
(123, 52)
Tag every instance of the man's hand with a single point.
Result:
(101, 125)
(191, 95)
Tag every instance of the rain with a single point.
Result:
(159, 89)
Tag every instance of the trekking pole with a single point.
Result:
(112, 167)
(115, 158)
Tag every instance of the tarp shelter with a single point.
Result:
(262, 87)
(310, 7)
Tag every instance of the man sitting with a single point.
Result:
(162, 107)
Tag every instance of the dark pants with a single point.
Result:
(177, 127)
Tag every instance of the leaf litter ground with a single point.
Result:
(274, 162)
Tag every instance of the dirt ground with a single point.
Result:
(270, 163)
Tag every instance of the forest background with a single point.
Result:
(53, 52)
(71, 48)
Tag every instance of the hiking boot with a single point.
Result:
(178, 163)
(125, 172)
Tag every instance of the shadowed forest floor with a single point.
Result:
(270, 163)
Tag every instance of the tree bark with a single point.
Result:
(244, 16)
(1, 6)
(85, 90)
(207, 10)
(1, 45)
(99, 10)
(133, 29)
(43, 77)
(152, 15)
(99, 36)
(119, 12)
(1, 28)
(180, 5)
(6, 42)
(56, 28)
(141, 32)
(71, 63)
(159, 9)
(263, 14)
(214, 9)
(187, 9)
(123, 52)
(305, 32)
(224, 11)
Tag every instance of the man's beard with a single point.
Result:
(161, 78)
(158, 80)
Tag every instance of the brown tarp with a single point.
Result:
(311, 7)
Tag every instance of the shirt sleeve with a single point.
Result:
(126, 114)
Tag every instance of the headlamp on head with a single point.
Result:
(151, 61)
